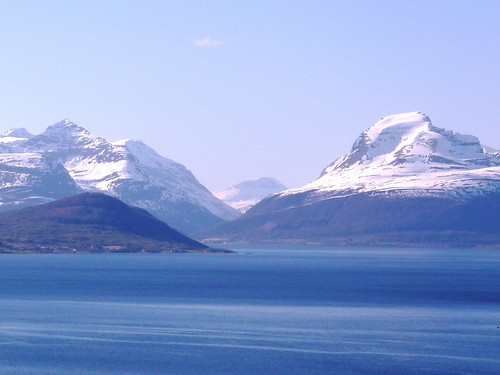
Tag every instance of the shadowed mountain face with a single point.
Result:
(405, 182)
(91, 222)
(364, 219)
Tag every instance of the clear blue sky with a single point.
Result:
(237, 90)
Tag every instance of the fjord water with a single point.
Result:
(260, 311)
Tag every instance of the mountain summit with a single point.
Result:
(404, 181)
(128, 170)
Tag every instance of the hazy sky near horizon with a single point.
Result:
(237, 90)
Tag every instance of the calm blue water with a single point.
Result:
(261, 311)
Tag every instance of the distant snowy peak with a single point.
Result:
(13, 139)
(19, 133)
(248, 193)
(405, 152)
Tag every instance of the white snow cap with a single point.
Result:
(406, 152)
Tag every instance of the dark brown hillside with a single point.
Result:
(369, 219)
(91, 222)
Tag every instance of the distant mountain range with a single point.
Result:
(89, 222)
(66, 160)
(404, 181)
(246, 194)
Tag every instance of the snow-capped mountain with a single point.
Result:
(407, 153)
(128, 170)
(246, 194)
(404, 181)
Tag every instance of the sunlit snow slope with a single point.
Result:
(407, 154)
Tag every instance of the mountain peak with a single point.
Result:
(390, 131)
(399, 119)
(65, 135)
(65, 125)
(410, 142)
(66, 122)
(63, 131)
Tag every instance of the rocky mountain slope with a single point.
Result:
(128, 170)
(404, 181)
(89, 222)
(246, 194)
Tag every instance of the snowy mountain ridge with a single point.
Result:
(129, 170)
(406, 154)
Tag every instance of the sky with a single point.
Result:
(238, 90)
